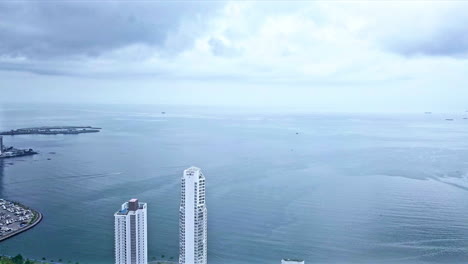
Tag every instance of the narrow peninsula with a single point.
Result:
(51, 130)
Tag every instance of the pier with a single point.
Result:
(11, 152)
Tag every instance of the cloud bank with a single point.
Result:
(320, 45)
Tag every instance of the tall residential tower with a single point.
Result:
(131, 246)
(193, 218)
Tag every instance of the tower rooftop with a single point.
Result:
(193, 168)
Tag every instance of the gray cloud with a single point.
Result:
(65, 29)
(446, 43)
(444, 34)
(218, 48)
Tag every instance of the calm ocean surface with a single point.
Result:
(346, 189)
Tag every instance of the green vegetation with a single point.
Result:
(35, 216)
(18, 259)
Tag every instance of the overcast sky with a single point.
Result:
(324, 56)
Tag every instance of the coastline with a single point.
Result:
(37, 220)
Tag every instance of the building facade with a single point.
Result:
(131, 243)
(193, 218)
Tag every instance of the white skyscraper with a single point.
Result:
(193, 218)
(131, 246)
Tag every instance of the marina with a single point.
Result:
(11, 152)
